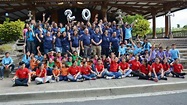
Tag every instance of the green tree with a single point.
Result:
(11, 30)
(141, 27)
(185, 26)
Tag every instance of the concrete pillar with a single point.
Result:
(166, 26)
(33, 11)
(154, 26)
(104, 11)
(54, 16)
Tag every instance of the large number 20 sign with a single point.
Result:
(86, 15)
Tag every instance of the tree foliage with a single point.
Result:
(141, 27)
(11, 30)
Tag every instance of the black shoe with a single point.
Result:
(164, 78)
(13, 85)
(38, 83)
(181, 77)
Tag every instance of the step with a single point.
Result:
(183, 54)
(21, 41)
(88, 89)
(20, 44)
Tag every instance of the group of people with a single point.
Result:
(78, 52)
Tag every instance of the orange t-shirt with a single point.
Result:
(64, 71)
(33, 64)
(56, 72)
(58, 64)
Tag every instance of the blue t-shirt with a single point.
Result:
(147, 46)
(86, 40)
(174, 53)
(118, 33)
(75, 41)
(128, 33)
(40, 58)
(105, 41)
(58, 42)
(122, 50)
(96, 37)
(54, 30)
(48, 42)
(26, 60)
(91, 31)
(65, 41)
(29, 36)
(137, 50)
(62, 29)
(7, 61)
(114, 41)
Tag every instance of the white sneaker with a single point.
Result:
(109, 77)
(57, 79)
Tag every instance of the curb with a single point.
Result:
(92, 92)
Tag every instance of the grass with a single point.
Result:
(6, 47)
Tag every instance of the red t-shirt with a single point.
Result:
(177, 68)
(44, 72)
(123, 66)
(22, 73)
(157, 67)
(113, 66)
(74, 70)
(99, 68)
(135, 65)
(85, 70)
(145, 69)
(166, 66)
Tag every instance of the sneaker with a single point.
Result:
(57, 79)
(38, 83)
(80, 80)
(1, 78)
(181, 77)
(164, 78)
(52, 81)
(156, 80)
(13, 85)
(123, 76)
(120, 77)
(109, 77)
(93, 79)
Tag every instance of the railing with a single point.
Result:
(175, 34)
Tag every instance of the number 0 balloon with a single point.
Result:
(84, 12)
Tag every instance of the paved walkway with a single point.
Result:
(6, 84)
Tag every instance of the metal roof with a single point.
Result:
(19, 8)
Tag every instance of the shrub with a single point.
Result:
(11, 30)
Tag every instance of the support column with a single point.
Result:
(33, 11)
(104, 11)
(54, 16)
(154, 26)
(166, 26)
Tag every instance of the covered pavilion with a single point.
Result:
(150, 9)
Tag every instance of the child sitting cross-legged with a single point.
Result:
(56, 73)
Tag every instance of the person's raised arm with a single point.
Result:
(43, 21)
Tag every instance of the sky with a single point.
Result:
(180, 17)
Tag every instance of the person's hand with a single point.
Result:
(82, 48)
(54, 37)
(43, 14)
(48, 18)
(38, 47)
(6, 67)
(29, 82)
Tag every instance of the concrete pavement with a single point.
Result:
(94, 88)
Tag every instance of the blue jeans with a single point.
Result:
(71, 78)
(61, 78)
(89, 77)
(126, 73)
(65, 48)
(116, 75)
(104, 73)
(21, 82)
(47, 50)
(167, 73)
(2, 69)
(58, 49)
(49, 71)
(158, 75)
